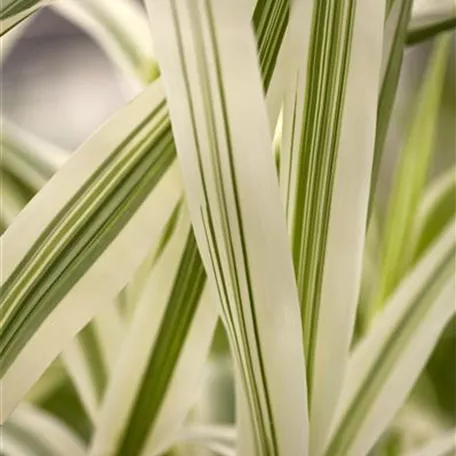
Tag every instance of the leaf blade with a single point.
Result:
(193, 38)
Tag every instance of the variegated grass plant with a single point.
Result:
(275, 115)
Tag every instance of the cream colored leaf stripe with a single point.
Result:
(138, 437)
(204, 87)
(81, 231)
(132, 161)
(87, 359)
(270, 20)
(17, 326)
(183, 301)
(171, 339)
(267, 443)
(409, 329)
(314, 149)
(326, 159)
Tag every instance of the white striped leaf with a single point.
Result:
(179, 398)
(13, 12)
(162, 423)
(170, 334)
(270, 47)
(327, 151)
(410, 178)
(90, 357)
(386, 364)
(214, 91)
(396, 24)
(120, 28)
(32, 432)
(66, 261)
(92, 353)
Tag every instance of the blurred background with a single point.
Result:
(58, 84)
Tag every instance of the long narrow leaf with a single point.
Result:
(410, 178)
(160, 147)
(32, 432)
(386, 364)
(43, 303)
(395, 36)
(170, 336)
(162, 422)
(214, 71)
(91, 356)
(326, 160)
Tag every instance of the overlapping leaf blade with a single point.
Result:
(246, 254)
(134, 147)
(325, 166)
(410, 178)
(386, 364)
(92, 353)
(170, 334)
(396, 24)
(30, 432)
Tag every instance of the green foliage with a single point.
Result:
(213, 232)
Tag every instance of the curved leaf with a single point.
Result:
(72, 239)
(387, 363)
(246, 255)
